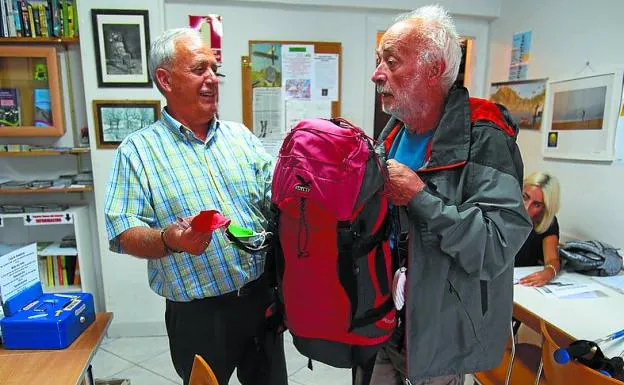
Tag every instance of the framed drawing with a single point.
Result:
(581, 117)
(524, 99)
(121, 39)
(116, 119)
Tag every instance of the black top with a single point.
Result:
(532, 252)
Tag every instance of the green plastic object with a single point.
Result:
(240, 232)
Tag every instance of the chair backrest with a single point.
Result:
(570, 373)
(201, 374)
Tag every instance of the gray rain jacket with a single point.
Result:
(465, 229)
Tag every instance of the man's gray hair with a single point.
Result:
(443, 37)
(162, 50)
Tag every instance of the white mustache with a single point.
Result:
(382, 89)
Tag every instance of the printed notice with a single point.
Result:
(297, 110)
(326, 77)
(18, 270)
(267, 112)
(298, 71)
(48, 219)
(520, 55)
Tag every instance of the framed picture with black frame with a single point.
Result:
(121, 40)
(116, 119)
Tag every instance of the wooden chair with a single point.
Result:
(525, 360)
(201, 374)
(571, 373)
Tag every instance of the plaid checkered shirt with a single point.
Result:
(164, 171)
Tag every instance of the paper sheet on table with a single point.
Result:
(616, 282)
(568, 288)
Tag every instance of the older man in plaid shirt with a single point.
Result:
(164, 175)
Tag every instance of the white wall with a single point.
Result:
(138, 311)
(286, 22)
(479, 8)
(567, 34)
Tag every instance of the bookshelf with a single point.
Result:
(40, 40)
(52, 227)
(44, 152)
(47, 190)
(30, 91)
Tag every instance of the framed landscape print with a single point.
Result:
(581, 117)
(116, 119)
(524, 99)
(121, 40)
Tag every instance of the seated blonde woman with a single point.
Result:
(540, 192)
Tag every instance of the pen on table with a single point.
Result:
(611, 337)
(37, 316)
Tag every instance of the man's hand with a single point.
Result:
(183, 238)
(404, 183)
(539, 278)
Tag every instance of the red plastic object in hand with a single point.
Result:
(208, 221)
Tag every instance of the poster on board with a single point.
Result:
(211, 29)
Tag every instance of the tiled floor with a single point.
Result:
(146, 361)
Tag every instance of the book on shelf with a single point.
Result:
(17, 17)
(38, 18)
(15, 185)
(31, 19)
(26, 30)
(10, 107)
(43, 113)
(58, 265)
(12, 28)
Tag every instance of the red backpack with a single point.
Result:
(333, 261)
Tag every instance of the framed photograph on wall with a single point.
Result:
(121, 40)
(524, 99)
(581, 117)
(116, 119)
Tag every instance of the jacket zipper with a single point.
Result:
(302, 246)
(406, 334)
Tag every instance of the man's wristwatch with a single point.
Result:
(168, 249)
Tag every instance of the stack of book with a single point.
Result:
(58, 264)
(38, 18)
(32, 208)
(64, 181)
(31, 148)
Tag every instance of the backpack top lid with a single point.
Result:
(591, 258)
(324, 161)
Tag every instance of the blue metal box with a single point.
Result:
(46, 321)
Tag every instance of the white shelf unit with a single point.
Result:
(14, 230)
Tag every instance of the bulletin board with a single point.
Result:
(269, 79)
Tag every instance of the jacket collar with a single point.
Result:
(450, 144)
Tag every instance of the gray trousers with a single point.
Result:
(390, 369)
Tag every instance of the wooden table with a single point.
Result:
(67, 366)
(587, 319)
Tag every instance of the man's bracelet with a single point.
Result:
(168, 249)
(553, 269)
